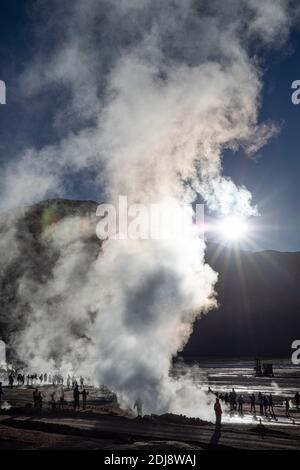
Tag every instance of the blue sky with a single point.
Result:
(272, 176)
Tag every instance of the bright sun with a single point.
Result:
(233, 228)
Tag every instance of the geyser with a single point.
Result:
(156, 91)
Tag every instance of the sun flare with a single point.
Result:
(233, 228)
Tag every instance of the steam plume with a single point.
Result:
(157, 91)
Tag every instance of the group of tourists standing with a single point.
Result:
(264, 402)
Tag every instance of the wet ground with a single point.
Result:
(237, 373)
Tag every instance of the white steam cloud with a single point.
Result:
(157, 91)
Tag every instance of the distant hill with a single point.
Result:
(258, 293)
(259, 305)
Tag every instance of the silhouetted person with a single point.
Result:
(252, 403)
(218, 412)
(139, 407)
(271, 405)
(261, 403)
(35, 397)
(287, 408)
(84, 394)
(81, 381)
(45, 377)
(240, 402)
(232, 400)
(226, 399)
(76, 394)
(53, 399)
(266, 404)
(11, 380)
(39, 400)
(262, 429)
(62, 399)
(297, 400)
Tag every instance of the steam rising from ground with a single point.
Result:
(157, 90)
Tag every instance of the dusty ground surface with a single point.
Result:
(104, 426)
